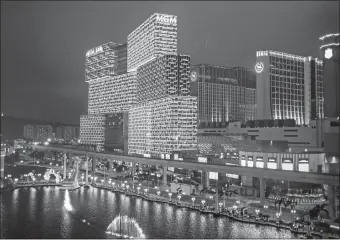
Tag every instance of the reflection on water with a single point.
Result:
(46, 216)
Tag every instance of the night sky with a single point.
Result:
(43, 44)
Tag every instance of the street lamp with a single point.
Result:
(102, 181)
(113, 184)
(170, 194)
(138, 188)
(265, 206)
(179, 197)
(220, 205)
(293, 211)
(193, 201)
(82, 179)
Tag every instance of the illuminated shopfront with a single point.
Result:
(259, 162)
(250, 161)
(272, 163)
(287, 164)
(303, 165)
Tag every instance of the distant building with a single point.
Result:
(155, 37)
(30, 132)
(289, 87)
(69, 133)
(44, 132)
(224, 94)
(59, 132)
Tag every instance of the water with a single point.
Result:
(41, 213)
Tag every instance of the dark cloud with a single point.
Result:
(43, 44)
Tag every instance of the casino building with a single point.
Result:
(289, 87)
(155, 37)
(136, 87)
(224, 94)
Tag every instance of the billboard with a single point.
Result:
(213, 175)
(202, 159)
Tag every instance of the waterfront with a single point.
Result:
(39, 213)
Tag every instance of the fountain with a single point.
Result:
(125, 227)
(67, 202)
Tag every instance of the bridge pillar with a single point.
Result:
(87, 171)
(65, 166)
(94, 162)
(217, 201)
(133, 172)
(55, 156)
(331, 201)
(165, 176)
(207, 180)
(262, 190)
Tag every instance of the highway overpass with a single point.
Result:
(317, 178)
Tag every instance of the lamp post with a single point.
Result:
(257, 211)
(146, 191)
(102, 181)
(158, 193)
(179, 198)
(158, 176)
(193, 201)
(82, 179)
(278, 217)
(203, 202)
(138, 188)
(113, 184)
(127, 187)
(265, 207)
(170, 194)
(220, 205)
(293, 211)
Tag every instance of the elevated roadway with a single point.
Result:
(316, 178)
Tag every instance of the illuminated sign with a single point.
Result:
(193, 76)
(202, 159)
(232, 176)
(171, 169)
(272, 164)
(303, 165)
(328, 53)
(213, 175)
(94, 51)
(166, 19)
(259, 67)
(287, 164)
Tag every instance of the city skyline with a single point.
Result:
(41, 77)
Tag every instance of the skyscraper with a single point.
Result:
(330, 53)
(288, 87)
(155, 37)
(44, 132)
(224, 94)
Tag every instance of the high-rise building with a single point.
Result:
(106, 60)
(59, 132)
(331, 123)
(288, 87)
(155, 37)
(113, 94)
(44, 132)
(164, 125)
(164, 76)
(69, 133)
(30, 132)
(223, 94)
(330, 52)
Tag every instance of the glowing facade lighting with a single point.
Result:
(154, 126)
(290, 80)
(153, 38)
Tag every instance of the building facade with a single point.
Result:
(155, 37)
(106, 60)
(30, 132)
(44, 132)
(164, 76)
(92, 130)
(288, 87)
(113, 94)
(163, 126)
(59, 133)
(223, 94)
